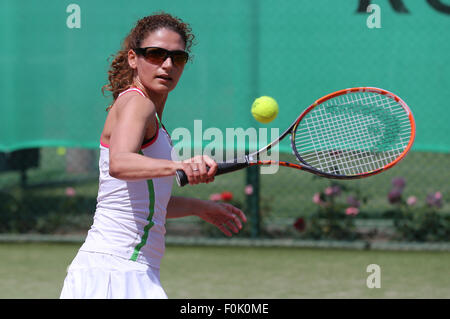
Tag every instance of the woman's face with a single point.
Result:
(159, 77)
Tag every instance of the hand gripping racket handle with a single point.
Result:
(222, 168)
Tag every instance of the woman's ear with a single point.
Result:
(132, 59)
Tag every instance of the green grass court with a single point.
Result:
(37, 271)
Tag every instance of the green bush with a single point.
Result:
(334, 216)
(414, 221)
(27, 210)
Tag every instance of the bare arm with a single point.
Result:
(134, 119)
(224, 216)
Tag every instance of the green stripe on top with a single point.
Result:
(159, 121)
(151, 192)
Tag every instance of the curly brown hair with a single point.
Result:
(120, 74)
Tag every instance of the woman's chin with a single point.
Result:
(161, 88)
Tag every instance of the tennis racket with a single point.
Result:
(348, 134)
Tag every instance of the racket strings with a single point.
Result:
(358, 153)
(353, 134)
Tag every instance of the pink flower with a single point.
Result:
(352, 211)
(329, 191)
(70, 192)
(395, 196)
(399, 182)
(353, 202)
(317, 199)
(332, 190)
(215, 197)
(434, 200)
(411, 201)
(248, 189)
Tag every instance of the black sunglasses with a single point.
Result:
(159, 55)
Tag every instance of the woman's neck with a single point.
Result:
(158, 99)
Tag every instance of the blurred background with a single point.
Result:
(54, 61)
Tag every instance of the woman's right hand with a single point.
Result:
(199, 169)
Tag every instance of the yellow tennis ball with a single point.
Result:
(265, 109)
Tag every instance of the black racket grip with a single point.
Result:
(222, 168)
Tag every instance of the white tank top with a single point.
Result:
(130, 217)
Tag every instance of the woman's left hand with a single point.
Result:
(224, 216)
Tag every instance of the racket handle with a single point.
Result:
(222, 168)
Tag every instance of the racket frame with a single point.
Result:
(253, 158)
(292, 128)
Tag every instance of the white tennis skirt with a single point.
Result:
(102, 276)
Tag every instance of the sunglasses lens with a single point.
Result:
(156, 55)
(180, 58)
(159, 55)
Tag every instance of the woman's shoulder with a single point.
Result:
(132, 89)
(134, 101)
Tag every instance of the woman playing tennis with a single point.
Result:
(121, 255)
